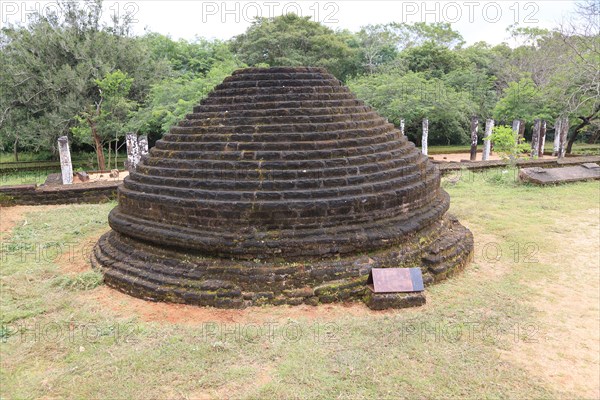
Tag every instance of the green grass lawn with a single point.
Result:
(26, 177)
(70, 346)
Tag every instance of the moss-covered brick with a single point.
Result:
(281, 187)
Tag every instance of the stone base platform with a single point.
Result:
(89, 192)
(383, 301)
(549, 176)
(176, 275)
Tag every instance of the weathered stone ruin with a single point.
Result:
(280, 188)
(567, 174)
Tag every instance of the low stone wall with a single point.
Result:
(448, 167)
(96, 192)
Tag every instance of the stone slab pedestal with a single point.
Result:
(382, 301)
(549, 176)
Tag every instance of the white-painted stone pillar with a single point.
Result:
(66, 168)
(133, 150)
(143, 145)
(425, 136)
(542, 139)
(487, 146)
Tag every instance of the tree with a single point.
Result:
(171, 99)
(522, 100)
(290, 40)
(50, 68)
(187, 58)
(564, 66)
(378, 45)
(108, 115)
(413, 97)
(433, 59)
(507, 142)
(419, 33)
(582, 73)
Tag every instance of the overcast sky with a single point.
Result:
(475, 20)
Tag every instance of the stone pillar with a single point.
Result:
(66, 168)
(402, 127)
(542, 139)
(564, 128)
(425, 136)
(133, 150)
(487, 144)
(521, 130)
(535, 138)
(143, 145)
(516, 127)
(557, 131)
(474, 129)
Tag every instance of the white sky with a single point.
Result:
(475, 20)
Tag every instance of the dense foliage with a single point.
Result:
(412, 97)
(296, 41)
(507, 142)
(75, 75)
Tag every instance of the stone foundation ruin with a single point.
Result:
(280, 188)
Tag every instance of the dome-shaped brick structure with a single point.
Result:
(280, 187)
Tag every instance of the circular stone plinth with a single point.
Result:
(281, 187)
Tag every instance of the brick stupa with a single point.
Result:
(280, 188)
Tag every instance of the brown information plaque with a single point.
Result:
(395, 280)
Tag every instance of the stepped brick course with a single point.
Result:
(281, 187)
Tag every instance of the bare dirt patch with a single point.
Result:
(12, 216)
(78, 261)
(125, 306)
(567, 351)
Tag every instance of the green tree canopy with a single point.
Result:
(413, 97)
(171, 99)
(50, 68)
(522, 100)
(433, 59)
(290, 40)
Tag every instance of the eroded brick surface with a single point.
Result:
(272, 191)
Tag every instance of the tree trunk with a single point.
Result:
(15, 149)
(585, 121)
(109, 154)
(98, 146)
(594, 138)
